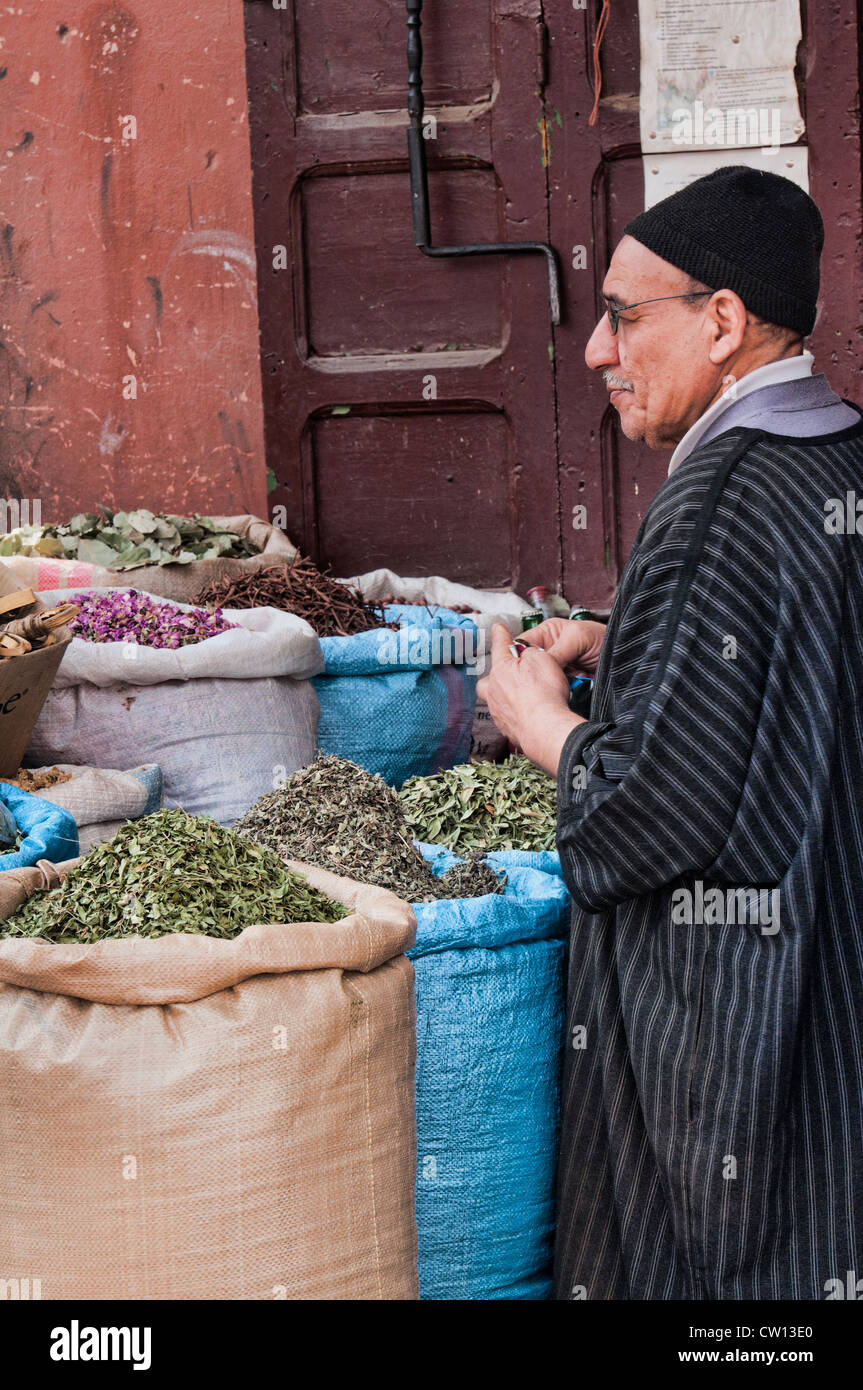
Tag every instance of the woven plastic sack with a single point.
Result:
(222, 717)
(192, 1118)
(401, 703)
(102, 799)
(180, 582)
(49, 831)
(9, 832)
(490, 984)
(487, 606)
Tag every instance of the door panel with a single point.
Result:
(351, 56)
(417, 305)
(367, 517)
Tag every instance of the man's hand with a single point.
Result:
(574, 646)
(529, 698)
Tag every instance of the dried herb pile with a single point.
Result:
(171, 872)
(337, 815)
(105, 616)
(484, 806)
(333, 609)
(125, 540)
(36, 781)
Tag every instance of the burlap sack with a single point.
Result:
(180, 582)
(102, 799)
(95, 795)
(193, 1118)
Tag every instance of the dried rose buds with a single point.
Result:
(131, 616)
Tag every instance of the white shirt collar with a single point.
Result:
(786, 369)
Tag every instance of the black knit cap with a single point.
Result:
(745, 230)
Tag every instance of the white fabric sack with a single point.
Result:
(225, 718)
(89, 836)
(487, 606)
(266, 643)
(487, 743)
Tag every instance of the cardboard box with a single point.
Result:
(24, 684)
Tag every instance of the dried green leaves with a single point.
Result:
(484, 806)
(171, 872)
(335, 814)
(126, 540)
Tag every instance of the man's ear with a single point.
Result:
(726, 318)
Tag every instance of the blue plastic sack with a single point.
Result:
(9, 831)
(150, 777)
(401, 703)
(49, 831)
(490, 985)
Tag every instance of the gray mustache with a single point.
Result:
(611, 379)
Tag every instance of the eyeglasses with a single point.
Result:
(614, 311)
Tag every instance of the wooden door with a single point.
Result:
(423, 414)
(410, 402)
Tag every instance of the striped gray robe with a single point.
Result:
(712, 1138)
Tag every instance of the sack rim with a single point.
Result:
(183, 966)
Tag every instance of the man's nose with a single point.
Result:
(601, 350)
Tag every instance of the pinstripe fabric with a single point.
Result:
(712, 1143)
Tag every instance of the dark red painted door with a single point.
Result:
(423, 414)
(410, 402)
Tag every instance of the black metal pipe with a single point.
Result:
(419, 177)
(416, 108)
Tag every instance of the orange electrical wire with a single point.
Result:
(597, 70)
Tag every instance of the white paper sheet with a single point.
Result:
(718, 74)
(664, 174)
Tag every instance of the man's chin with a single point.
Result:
(629, 424)
(634, 426)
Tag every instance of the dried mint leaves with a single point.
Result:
(171, 872)
(484, 806)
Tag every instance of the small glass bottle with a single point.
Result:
(540, 598)
(548, 603)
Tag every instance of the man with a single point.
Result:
(711, 809)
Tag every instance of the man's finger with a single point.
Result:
(539, 636)
(500, 644)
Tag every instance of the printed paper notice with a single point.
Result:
(665, 174)
(718, 74)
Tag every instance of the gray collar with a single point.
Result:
(800, 409)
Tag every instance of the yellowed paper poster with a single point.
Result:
(718, 74)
